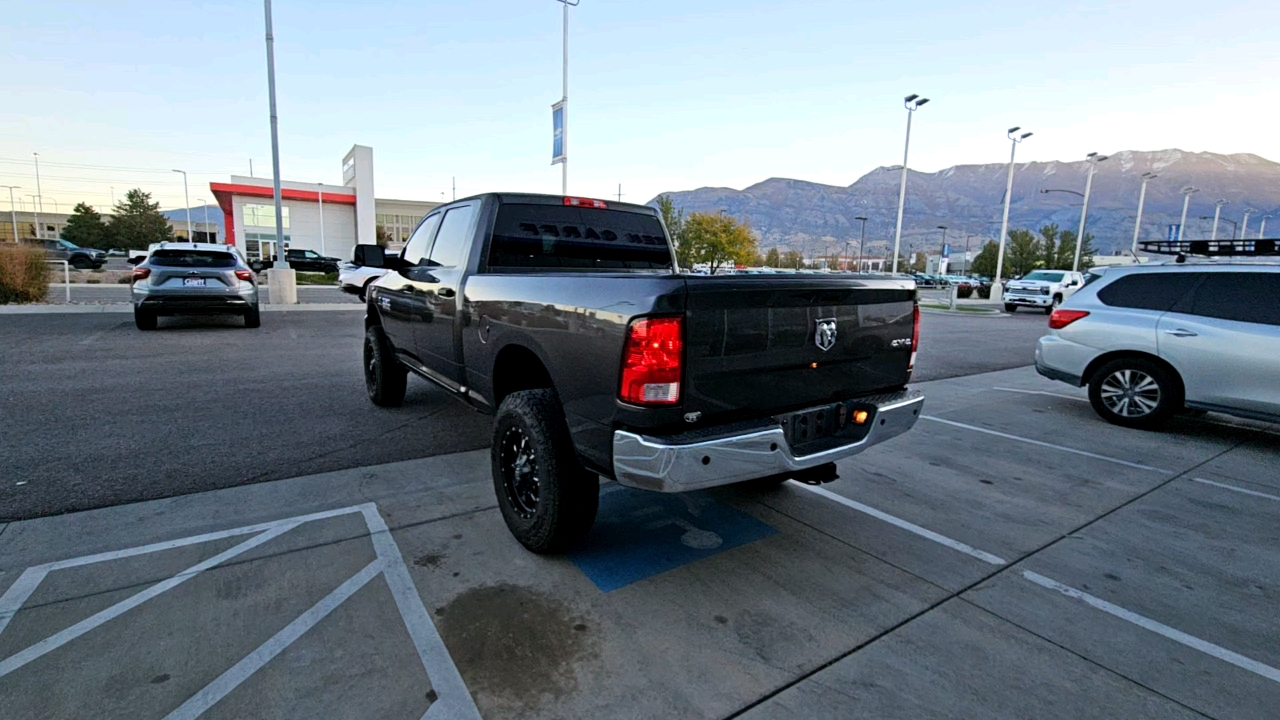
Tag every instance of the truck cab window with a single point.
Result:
(415, 251)
(454, 237)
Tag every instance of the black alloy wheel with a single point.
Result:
(519, 472)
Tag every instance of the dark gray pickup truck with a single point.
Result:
(568, 318)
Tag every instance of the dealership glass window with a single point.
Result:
(264, 216)
(253, 243)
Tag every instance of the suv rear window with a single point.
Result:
(192, 258)
(553, 236)
(1240, 296)
(1149, 291)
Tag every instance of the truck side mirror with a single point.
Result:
(370, 256)
(135, 260)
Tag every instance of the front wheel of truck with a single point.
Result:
(385, 378)
(547, 498)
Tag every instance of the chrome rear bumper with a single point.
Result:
(651, 464)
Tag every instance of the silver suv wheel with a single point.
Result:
(1130, 393)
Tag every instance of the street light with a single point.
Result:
(1244, 225)
(36, 211)
(1186, 201)
(13, 214)
(1093, 159)
(320, 197)
(997, 290)
(1073, 192)
(1234, 225)
(283, 262)
(1261, 230)
(912, 103)
(1217, 212)
(967, 238)
(564, 102)
(1142, 196)
(862, 239)
(943, 249)
(206, 217)
(39, 193)
(186, 198)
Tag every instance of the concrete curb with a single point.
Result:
(967, 313)
(128, 308)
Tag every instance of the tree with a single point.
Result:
(674, 220)
(86, 229)
(381, 237)
(792, 259)
(138, 222)
(717, 240)
(1049, 246)
(984, 263)
(773, 258)
(1066, 254)
(1022, 254)
(919, 264)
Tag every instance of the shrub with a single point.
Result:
(964, 292)
(24, 276)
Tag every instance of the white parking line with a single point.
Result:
(985, 557)
(1043, 392)
(1041, 443)
(1255, 493)
(1178, 636)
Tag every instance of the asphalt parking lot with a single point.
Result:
(1012, 556)
(103, 405)
(117, 293)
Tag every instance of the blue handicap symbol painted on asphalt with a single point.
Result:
(639, 534)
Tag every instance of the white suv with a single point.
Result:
(1045, 289)
(1150, 340)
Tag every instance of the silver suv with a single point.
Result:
(179, 278)
(1151, 340)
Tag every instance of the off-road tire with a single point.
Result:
(144, 319)
(1010, 308)
(81, 263)
(253, 317)
(567, 495)
(385, 377)
(1166, 396)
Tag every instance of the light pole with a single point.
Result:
(39, 192)
(942, 250)
(997, 290)
(283, 262)
(1261, 230)
(36, 211)
(861, 240)
(1217, 212)
(564, 102)
(1244, 225)
(967, 238)
(1186, 201)
(13, 214)
(1093, 159)
(1234, 225)
(1142, 197)
(206, 217)
(320, 197)
(912, 103)
(186, 198)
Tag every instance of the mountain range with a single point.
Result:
(819, 219)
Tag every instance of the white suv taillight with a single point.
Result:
(652, 362)
(915, 338)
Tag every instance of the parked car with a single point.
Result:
(355, 277)
(568, 318)
(117, 252)
(180, 278)
(1045, 289)
(76, 256)
(1150, 340)
(312, 261)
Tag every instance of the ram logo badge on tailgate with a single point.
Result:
(825, 337)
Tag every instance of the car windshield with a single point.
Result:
(193, 258)
(1043, 276)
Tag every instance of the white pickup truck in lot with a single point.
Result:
(1045, 289)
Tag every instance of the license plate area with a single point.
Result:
(827, 426)
(193, 282)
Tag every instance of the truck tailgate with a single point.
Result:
(754, 346)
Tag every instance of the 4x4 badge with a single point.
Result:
(825, 337)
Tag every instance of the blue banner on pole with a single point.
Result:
(1173, 232)
(946, 250)
(557, 133)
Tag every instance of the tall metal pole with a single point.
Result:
(1261, 230)
(564, 99)
(13, 214)
(1092, 159)
(1244, 225)
(283, 262)
(912, 103)
(206, 217)
(942, 250)
(861, 240)
(320, 196)
(1217, 212)
(36, 212)
(454, 180)
(39, 192)
(187, 199)
(1186, 202)
(1142, 197)
(997, 290)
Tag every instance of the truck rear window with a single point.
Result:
(192, 258)
(553, 236)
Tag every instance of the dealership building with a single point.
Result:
(329, 219)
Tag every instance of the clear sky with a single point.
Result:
(664, 95)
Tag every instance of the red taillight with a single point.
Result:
(141, 273)
(244, 274)
(1062, 318)
(651, 362)
(585, 202)
(915, 338)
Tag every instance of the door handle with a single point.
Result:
(1180, 332)
(446, 292)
